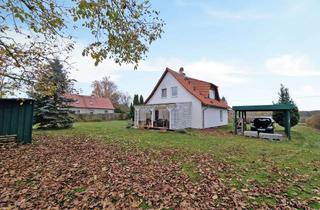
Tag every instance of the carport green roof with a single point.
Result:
(286, 108)
(273, 107)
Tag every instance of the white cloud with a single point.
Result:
(220, 73)
(291, 65)
(217, 72)
(86, 71)
(307, 91)
(307, 97)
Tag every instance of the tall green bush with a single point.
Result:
(51, 104)
(284, 98)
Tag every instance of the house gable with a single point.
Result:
(197, 88)
(169, 82)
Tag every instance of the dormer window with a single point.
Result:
(164, 92)
(212, 94)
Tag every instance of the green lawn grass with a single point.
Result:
(261, 160)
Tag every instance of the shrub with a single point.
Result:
(284, 98)
(314, 121)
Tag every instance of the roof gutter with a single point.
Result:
(219, 107)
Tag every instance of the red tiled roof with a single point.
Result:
(93, 102)
(198, 88)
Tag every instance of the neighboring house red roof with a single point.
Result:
(198, 88)
(93, 102)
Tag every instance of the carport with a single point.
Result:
(241, 112)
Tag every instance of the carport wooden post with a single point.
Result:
(235, 122)
(288, 124)
(244, 120)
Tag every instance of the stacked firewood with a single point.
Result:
(8, 139)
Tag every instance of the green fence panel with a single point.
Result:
(16, 117)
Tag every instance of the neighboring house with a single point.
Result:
(178, 102)
(90, 104)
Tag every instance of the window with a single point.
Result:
(212, 94)
(91, 111)
(164, 92)
(174, 91)
(221, 116)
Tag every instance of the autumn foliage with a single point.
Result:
(314, 121)
(73, 172)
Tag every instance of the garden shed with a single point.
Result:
(16, 117)
(241, 112)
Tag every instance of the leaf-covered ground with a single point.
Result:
(80, 172)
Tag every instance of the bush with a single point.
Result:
(314, 121)
(279, 117)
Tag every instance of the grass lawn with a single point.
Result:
(295, 163)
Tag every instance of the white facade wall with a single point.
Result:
(88, 111)
(212, 117)
(183, 96)
(181, 116)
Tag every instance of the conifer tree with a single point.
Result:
(284, 98)
(141, 100)
(51, 104)
(131, 113)
(136, 100)
(224, 99)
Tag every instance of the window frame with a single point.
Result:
(176, 88)
(166, 91)
(213, 94)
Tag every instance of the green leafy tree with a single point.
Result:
(51, 104)
(141, 101)
(284, 98)
(35, 31)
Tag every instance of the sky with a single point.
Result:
(247, 48)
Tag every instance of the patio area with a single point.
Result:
(169, 116)
(153, 116)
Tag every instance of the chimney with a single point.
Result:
(181, 71)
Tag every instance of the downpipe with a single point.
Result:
(203, 110)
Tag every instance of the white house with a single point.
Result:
(178, 102)
(83, 104)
